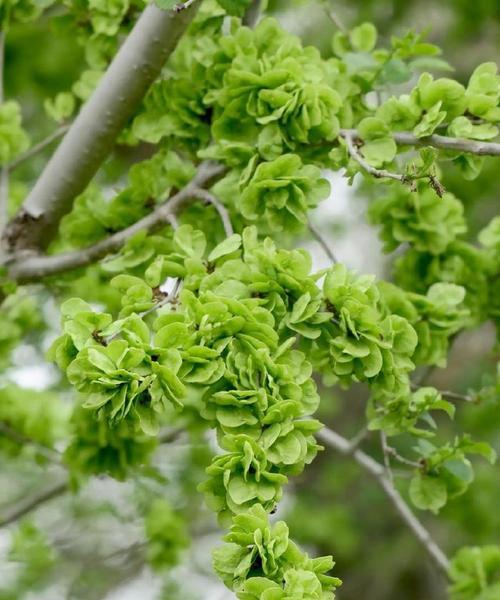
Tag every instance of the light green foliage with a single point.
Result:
(37, 416)
(282, 191)
(19, 316)
(260, 561)
(407, 412)
(446, 471)
(36, 558)
(361, 343)
(13, 139)
(21, 11)
(475, 573)
(422, 218)
(166, 534)
(248, 331)
(95, 448)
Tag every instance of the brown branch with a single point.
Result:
(376, 470)
(25, 268)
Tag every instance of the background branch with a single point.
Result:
(38, 147)
(24, 507)
(92, 135)
(376, 470)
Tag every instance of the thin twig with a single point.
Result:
(252, 14)
(38, 147)
(356, 155)
(22, 508)
(209, 198)
(386, 455)
(406, 138)
(31, 267)
(322, 242)
(448, 394)
(401, 459)
(342, 445)
(183, 5)
(334, 17)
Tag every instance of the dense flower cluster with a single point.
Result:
(246, 325)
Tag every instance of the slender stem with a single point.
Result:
(38, 147)
(349, 137)
(386, 454)
(23, 507)
(376, 470)
(252, 14)
(26, 268)
(448, 394)
(322, 242)
(334, 18)
(209, 198)
(406, 138)
(93, 133)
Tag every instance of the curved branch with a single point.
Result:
(405, 138)
(32, 267)
(92, 135)
(376, 470)
(209, 198)
(349, 137)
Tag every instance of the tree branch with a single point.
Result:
(60, 131)
(405, 138)
(22, 508)
(92, 135)
(252, 14)
(209, 198)
(351, 135)
(376, 470)
(31, 267)
(322, 242)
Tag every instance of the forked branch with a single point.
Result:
(92, 135)
(376, 470)
(33, 267)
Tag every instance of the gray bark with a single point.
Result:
(92, 135)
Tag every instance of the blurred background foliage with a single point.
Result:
(96, 540)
